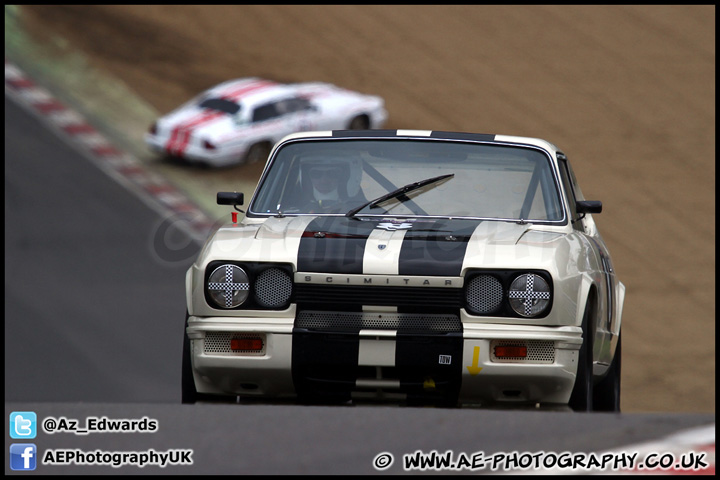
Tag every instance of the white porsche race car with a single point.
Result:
(240, 120)
(422, 267)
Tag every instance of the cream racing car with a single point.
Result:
(419, 267)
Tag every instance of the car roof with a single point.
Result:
(250, 90)
(435, 134)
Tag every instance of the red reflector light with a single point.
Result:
(255, 344)
(513, 351)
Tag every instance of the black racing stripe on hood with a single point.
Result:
(430, 247)
(333, 245)
(436, 248)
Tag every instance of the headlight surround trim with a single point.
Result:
(505, 278)
(252, 300)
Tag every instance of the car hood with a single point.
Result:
(441, 247)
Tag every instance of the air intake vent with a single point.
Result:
(403, 322)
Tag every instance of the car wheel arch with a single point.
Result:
(591, 298)
(587, 288)
(359, 122)
(620, 303)
(258, 151)
(581, 398)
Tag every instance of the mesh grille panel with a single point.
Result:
(484, 294)
(273, 288)
(538, 351)
(416, 297)
(219, 343)
(351, 321)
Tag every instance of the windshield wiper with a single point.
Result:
(399, 192)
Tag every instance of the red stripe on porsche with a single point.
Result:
(238, 89)
(177, 130)
(181, 134)
(238, 92)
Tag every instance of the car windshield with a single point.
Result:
(434, 178)
(220, 104)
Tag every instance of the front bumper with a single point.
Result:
(219, 370)
(413, 367)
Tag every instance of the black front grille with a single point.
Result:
(322, 296)
(356, 321)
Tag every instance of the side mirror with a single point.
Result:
(589, 206)
(231, 198)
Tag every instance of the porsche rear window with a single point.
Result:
(220, 104)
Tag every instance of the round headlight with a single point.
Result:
(273, 288)
(228, 286)
(484, 294)
(529, 295)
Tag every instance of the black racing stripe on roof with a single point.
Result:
(364, 133)
(483, 137)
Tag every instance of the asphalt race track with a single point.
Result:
(82, 286)
(93, 330)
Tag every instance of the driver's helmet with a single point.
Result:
(347, 169)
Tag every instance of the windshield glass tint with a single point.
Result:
(221, 104)
(335, 176)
